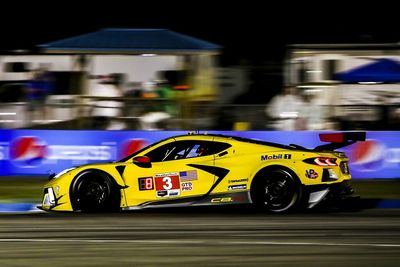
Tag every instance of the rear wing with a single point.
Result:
(339, 140)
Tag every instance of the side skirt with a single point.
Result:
(242, 197)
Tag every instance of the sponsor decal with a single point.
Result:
(162, 193)
(61, 152)
(227, 198)
(221, 200)
(173, 193)
(166, 174)
(237, 187)
(168, 193)
(168, 184)
(31, 151)
(276, 156)
(28, 151)
(187, 186)
(312, 174)
(238, 180)
(146, 183)
(188, 175)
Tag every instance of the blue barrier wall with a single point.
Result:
(40, 152)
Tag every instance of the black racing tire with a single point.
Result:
(94, 191)
(276, 190)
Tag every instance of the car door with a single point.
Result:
(240, 166)
(179, 169)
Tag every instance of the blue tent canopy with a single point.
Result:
(115, 40)
(382, 70)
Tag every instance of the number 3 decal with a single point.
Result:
(167, 183)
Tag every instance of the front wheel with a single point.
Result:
(93, 191)
(276, 190)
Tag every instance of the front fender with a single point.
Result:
(61, 186)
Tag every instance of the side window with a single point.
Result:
(186, 149)
(210, 148)
(171, 151)
(194, 152)
(181, 153)
(160, 153)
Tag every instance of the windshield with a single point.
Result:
(141, 150)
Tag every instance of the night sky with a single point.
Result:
(256, 31)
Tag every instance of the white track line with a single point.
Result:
(179, 241)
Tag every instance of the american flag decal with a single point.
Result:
(188, 175)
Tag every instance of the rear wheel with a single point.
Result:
(93, 191)
(276, 190)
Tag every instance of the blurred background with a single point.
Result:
(194, 67)
(272, 70)
(200, 68)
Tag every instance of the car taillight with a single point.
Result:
(344, 167)
(321, 161)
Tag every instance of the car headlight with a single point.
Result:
(49, 199)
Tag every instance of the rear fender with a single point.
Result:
(275, 166)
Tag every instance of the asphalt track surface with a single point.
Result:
(235, 236)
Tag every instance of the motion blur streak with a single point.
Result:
(178, 241)
(200, 237)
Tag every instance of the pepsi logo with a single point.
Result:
(368, 155)
(28, 150)
(132, 145)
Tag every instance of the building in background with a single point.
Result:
(357, 85)
(140, 58)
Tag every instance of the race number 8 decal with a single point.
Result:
(146, 183)
(167, 182)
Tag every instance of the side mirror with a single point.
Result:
(142, 161)
(51, 176)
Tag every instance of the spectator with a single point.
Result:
(37, 90)
(166, 92)
(154, 120)
(157, 116)
(108, 107)
(311, 114)
(284, 109)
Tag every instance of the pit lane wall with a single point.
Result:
(41, 152)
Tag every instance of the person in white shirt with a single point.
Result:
(105, 111)
(285, 109)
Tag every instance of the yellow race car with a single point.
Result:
(201, 169)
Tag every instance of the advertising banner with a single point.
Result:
(41, 152)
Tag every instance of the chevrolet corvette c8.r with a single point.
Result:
(201, 169)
